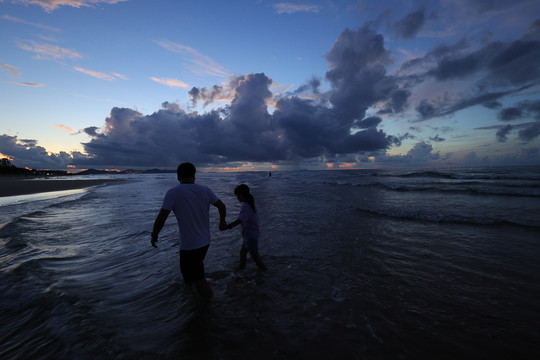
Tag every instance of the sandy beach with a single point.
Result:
(19, 186)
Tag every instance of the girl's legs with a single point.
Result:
(243, 255)
(258, 261)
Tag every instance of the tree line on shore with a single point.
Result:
(7, 168)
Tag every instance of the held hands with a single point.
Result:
(223, 225)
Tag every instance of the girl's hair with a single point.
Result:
(243, 189)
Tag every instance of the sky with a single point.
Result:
(259, 85)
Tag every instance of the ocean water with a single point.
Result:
(363, 264)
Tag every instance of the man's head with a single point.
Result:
(186, 172)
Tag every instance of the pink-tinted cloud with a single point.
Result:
(26, 22)
(50, 5)
(99, 75)
(200, 64)
(49, 51)
(175, 83)
(13, 71)
(26, 84)
(65, 128)
(291, 8)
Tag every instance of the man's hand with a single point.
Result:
(222, 225)
(154, 240)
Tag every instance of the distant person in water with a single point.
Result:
(249, 219)
(190, 203)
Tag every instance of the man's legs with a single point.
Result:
(192, 268)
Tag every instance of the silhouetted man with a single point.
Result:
(190, 203)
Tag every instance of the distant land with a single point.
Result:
(8, 169)
(128, 171)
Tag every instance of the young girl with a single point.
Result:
(250, 226)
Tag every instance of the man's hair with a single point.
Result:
(186, 170)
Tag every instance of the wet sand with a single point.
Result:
(20, 186)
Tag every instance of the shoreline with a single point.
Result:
(15, 186)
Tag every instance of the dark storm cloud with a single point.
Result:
(511, 113)
(368, 122)
(92, 131)
(437, 54)
(532, 32)
(426, 109)
(27, 153)
(207, 96)
(503, 68)
(520, 110)
(503, 133)
(437, 138)
(482, 7)
(410, 25)
(530, 133)
(329, 124)
(397, 103)
(311, 87)
(357, 73)
(492, 104)
(512, 63)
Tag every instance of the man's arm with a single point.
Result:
(234, 223)
(158, 225)
(222, 214)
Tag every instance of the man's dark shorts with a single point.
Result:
(191, 264)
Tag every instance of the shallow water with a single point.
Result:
(369, 264)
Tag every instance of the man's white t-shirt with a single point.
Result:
(191, 205)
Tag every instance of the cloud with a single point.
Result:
(50, 5)
(99, 75)
(26, 84)
(530, 133)
(511, 113)
(357, 73)
(13, 71)
(292, 8)
(501, 64)
(339, 124)
(170, 82)
(27, 153)
(532, 31)
(486, 7)
(421, 153)
(208, 96)
(65, 128)
(486, 73)
(200, 63)
(410, 25)
(120, 76)
(21, 21)
(48, 51)
(528, 108)
(503, 133)
(368, 122)
(437, 138)
(524, 109)
(332, 124)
